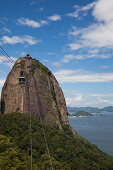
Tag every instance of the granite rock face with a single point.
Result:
(31, 88)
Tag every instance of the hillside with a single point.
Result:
(67, 152)
(90, 109)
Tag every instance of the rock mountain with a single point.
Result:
(31, 88)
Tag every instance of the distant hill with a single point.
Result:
(107, 109)
(81, 113)
(73, 110)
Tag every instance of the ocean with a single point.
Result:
(96, 129)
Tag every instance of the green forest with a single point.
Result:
(67, 151)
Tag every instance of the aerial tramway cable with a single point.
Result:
(48, 152)
(45, 139)
(46, 142)
(7, 59)
(6, 55)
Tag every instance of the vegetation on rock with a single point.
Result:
(67, 152)
(37, 64)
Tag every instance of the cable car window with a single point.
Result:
(22, 80)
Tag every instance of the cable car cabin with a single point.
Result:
(22, 80)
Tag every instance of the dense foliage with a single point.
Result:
(67, 152)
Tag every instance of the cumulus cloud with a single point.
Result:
(86, 100)
(54, 17)
(96, 35)
(31, 23)
(75, 76)
(103, 10)
(76, 98)
(19, 39)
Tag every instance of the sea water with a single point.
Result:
(96, 129)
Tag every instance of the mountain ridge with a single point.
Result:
(90, 109)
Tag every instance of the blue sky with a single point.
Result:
(73, 38)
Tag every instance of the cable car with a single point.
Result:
(22, 80)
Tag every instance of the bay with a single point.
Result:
(96, 129)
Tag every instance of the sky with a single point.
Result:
(73, 38)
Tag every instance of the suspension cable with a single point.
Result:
(31, 143)
(46, 141)
(7, 59)
(7, 55)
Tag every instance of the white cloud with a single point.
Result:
(88, 7)
(100, 100)
(28, 22)
(93, 51)
(79, 9)
(75, 46)
(33, 3)
(2, 59)
(19, 39)
(75, 100)
(44, 61)
(31, 23)
(43, 22)
(10, 64)
(54, 17)
(41, 9)
(104, 67)
(78, 98)
(70, 57)
(75, 76)
(7, 30)
(51, 53)
(67, 58)
(103, 10)
(88, 101)
(2, 82)
(69, 101)
(56, 64)
(96, 35)
(3, 19)
(102, 95)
